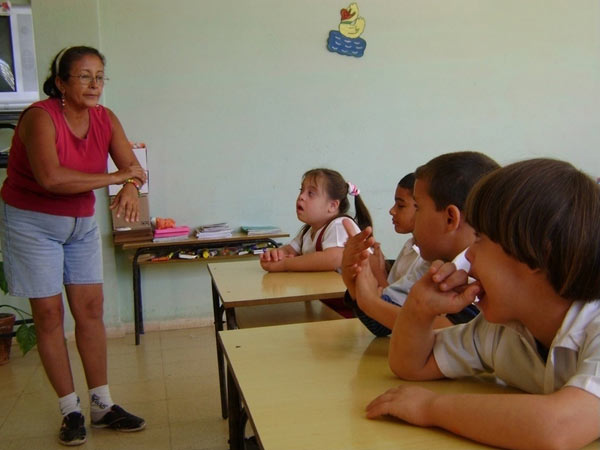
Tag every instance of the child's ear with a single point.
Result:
(453, 217)
(334, 206)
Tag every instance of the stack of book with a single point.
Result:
(214, 231)
(260, 230)
(141, 231)
(124, 235)
(171, 234)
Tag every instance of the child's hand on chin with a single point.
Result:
(443, 290)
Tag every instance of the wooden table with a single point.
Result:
(145, 248)
(306, 386)
(238, 284)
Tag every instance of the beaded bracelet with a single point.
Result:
(135, 183)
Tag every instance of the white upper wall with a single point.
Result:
(237, 99)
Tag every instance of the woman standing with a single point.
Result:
(49, 235)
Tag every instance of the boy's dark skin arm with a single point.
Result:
(568, 418)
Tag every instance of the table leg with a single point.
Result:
(236, 424)
(231, 320)
(218, 316)
(138, 316)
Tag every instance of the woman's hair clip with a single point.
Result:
(353, 190)
(58, 58)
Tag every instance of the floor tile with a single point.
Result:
(189, 387)
(140, 373)
(170, 380)
(7, 402)
(152, 437)
(31, 422)
(182, 355)
(138, 391)
(155, 413)
(140, 357)
(194, 409)
(199, 436)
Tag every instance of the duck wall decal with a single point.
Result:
(346, 40)
(351, 24)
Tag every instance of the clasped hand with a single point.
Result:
(442, 290)
(356, 251)
(126, 201)
(273, 260)
(133, 171)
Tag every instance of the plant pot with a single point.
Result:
(7, 322)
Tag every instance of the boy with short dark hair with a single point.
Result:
(440, 232)
(408, 266)
(403, 218)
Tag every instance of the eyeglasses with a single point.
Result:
(86, 80)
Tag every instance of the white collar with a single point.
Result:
(579, 316)
(460, 261)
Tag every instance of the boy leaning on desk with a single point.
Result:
(536, 265)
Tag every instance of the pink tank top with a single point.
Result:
(21, 190)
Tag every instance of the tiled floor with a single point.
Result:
(170, 380)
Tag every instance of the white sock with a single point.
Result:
(69, 403)
(100, 402)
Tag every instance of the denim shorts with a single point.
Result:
(42, 252)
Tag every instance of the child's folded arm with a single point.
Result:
(368, 297)
(441, 290)
(287, 250)
(411, 345)
(567, 418)
(380, 310)
(564, 419)
(272, 260)
(328, 259)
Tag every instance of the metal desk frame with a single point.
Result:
(143, 248)
(221, 310)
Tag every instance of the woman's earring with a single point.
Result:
(62, 101)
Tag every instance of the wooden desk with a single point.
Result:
(238, 284)
(144, 248)
(306, 386)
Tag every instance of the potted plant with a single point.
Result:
(25, 333)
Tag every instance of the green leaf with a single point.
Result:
(26, 337)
